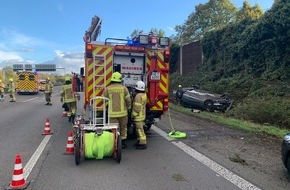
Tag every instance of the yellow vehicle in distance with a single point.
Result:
(27, 82)
(41, 85)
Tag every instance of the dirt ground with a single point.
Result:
(256, 158)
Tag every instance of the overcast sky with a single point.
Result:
(34, 31)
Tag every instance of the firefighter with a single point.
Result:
(120, 103)
(138, 114)
(2, 86)
(48, 91)
(69, 98)
(11, 90)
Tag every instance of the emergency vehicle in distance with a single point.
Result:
(27, 82)
(145, 58)
(41, 85)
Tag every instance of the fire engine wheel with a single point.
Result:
(119, 149)
(78, 150)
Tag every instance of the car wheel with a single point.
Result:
(288, 165)
(179, 94)
(226, 96)
(208, 104)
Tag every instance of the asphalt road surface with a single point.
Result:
(165, 164)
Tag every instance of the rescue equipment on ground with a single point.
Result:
(18, 181)
(99, 138)
(175, 134)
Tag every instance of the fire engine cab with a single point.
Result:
(145, 58)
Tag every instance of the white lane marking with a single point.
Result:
(30, 164)
(228, 175)
(30, 99)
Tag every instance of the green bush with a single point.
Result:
(272, 111)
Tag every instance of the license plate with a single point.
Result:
(155, 76)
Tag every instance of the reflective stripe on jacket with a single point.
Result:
(2, 86)
(11, 87)
(48, 87)
(120, 100)
(67, 93)
(139, 107)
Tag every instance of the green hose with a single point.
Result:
(175, 134)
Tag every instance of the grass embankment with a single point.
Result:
(246, 126)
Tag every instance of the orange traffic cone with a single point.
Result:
(18, 181)
(64, 114)
(47, 128)
(70, 144)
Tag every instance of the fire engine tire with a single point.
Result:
(147, 126)
(288, 165)
(119, 149)
(78, 150)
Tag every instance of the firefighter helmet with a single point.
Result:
(0, 80)
(11, 80)
(47, 78)
(140, 85)
(179, 86)
(67, 78)
(116, 77)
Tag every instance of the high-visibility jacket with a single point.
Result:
(11, 87)
(2, 86)
(67, 93)
(139, 107)
(120, 101)
(48, 87)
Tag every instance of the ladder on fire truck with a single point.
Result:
(99, 81)
(94, 30)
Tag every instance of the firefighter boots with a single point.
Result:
(141, 146)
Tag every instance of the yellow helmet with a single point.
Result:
(47, 78)
(11, 80)
(116, 77)
(0, 80)
(67, 79)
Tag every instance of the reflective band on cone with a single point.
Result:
(64, 114)
(47, 128)
(70, 144)
(18, 181)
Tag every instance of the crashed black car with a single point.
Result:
(194, 98)
(286, 152)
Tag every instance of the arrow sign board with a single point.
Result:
(45, 67)
(17, 67)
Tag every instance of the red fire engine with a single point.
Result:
(145, 57)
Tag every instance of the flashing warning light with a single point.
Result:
(166, 56)
(89, 53)
(130, 42)
(89, 47)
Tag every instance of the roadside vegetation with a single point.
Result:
(246, 54)
(243, 125)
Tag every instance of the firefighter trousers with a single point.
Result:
(141, 136)
(72, 108)
(48, 97)
(122, 121)
(12, 96)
